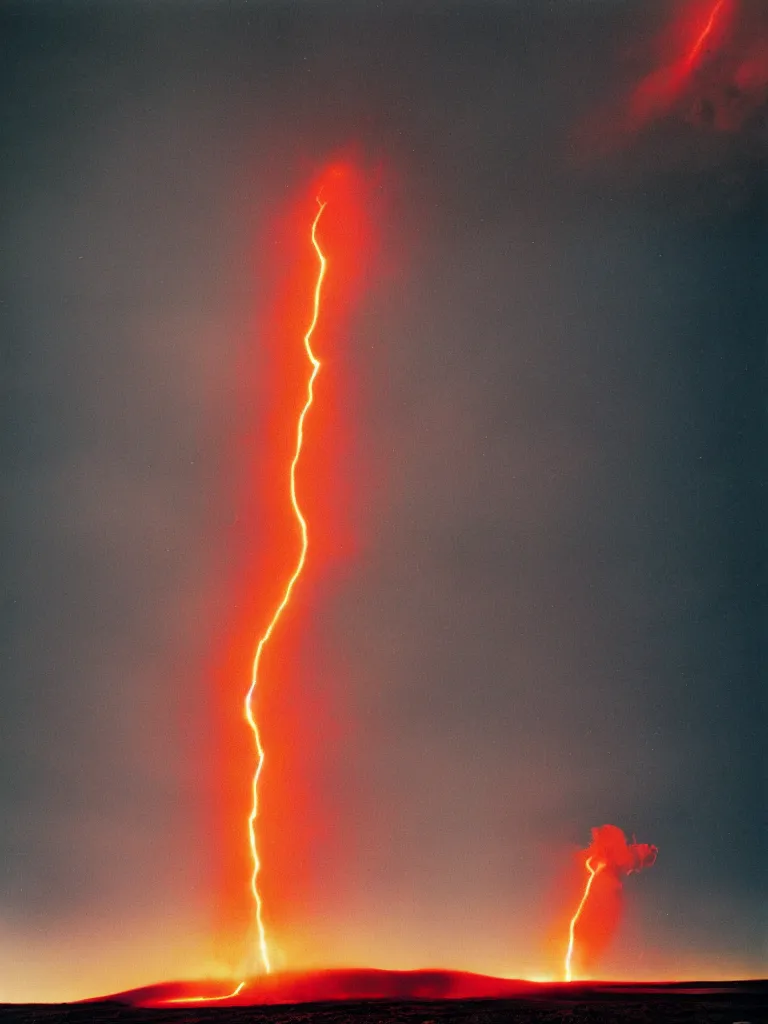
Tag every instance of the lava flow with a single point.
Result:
(249, 714)
(611, 858)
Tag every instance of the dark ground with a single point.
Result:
(709, 1004)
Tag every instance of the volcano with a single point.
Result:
(361, 985)
(331, 985)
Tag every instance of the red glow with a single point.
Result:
(609, 859)
(204, 999)
(703, 33)
(594, 870)
(366, 983)
(341, 984)
(695, 67)
(303, 531)
(302, 523)
(302, 722)
(355, 984)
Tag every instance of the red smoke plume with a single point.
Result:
(607, 861)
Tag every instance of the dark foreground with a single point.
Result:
(718, 1003)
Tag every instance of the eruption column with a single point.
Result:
(593, 873)
(249, 714)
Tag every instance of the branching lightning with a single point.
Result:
(593, 873)
(249, 713)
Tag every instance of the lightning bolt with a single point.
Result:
(248, 706)
(705, 33)
(249, 714)
(207, 999)
(593, 873)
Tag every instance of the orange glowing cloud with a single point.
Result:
(608, 860)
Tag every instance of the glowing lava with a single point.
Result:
(593, 873)
(249, 715)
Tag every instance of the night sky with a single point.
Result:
(554, 615)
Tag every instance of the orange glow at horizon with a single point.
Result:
(302, 523)
(593, 873)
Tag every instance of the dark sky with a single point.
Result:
(556, 617)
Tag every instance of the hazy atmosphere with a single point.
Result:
(553, 612)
